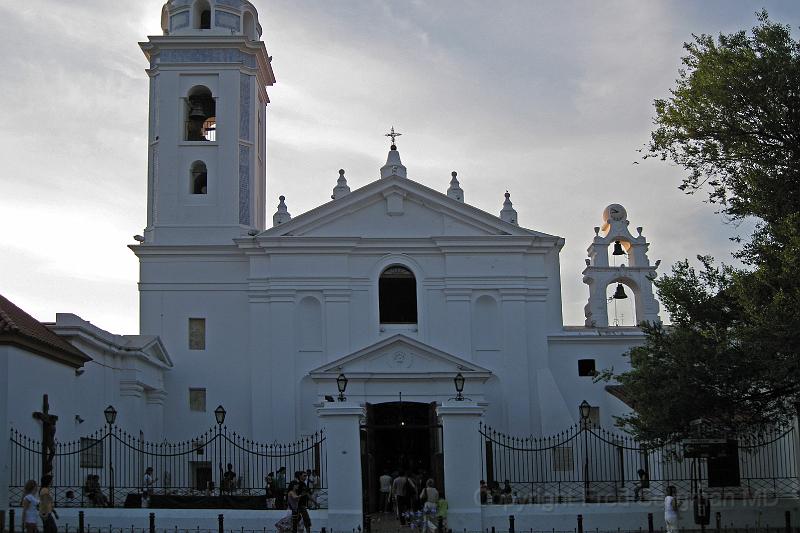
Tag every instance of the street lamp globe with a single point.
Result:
(219, 414)
(585, 409)
(110, 414)
(341, 384)
(459, 383)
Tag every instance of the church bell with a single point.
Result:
(619, 294)
(196, 109)
(618, 249)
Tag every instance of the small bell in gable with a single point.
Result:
(618, 249)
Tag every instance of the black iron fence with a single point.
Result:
(107, 468)
(586, 463)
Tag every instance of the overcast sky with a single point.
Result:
(548, 99)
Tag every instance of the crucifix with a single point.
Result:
(393, 135)
(48, 435)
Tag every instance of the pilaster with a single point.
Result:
(462, 465)
(337, 322)
(458, 321)
(341, 423)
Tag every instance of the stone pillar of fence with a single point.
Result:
(341, 421)
(5, 451)
(462, 463)
(795, 442)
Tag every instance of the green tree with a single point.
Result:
(732, 353)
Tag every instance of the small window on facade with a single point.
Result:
(397, 296)
(91, 453)
(197, 333)
(586, 367)
(201, 115)
(562, 459)
(197, 400)
(198, 177)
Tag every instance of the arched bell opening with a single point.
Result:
(621, 299)
(165, 20)
(201, 114)
(201, 15)
(618, 252)
(249, 26)
(198, 178)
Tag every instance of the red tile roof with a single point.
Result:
(19, 328)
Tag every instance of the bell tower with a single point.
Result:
(637, 275)
(206, 175)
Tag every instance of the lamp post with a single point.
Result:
(585, 410)
(111, 416)
(341, 384)
(459, 383)
(219, 416)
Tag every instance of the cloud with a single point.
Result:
(549, 100)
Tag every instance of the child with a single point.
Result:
(30, 515)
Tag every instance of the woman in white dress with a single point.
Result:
(30, 511)
(671, 510)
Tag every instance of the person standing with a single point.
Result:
(287, 523)
(671, 510)
(147, 490)
(30, 517)
(430, 498)
(47, 510)
(644, 483)
(385, 482)
(399, 493)
(280, 488)
(229, 479)
(300, 505)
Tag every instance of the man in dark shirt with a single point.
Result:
(304, 493)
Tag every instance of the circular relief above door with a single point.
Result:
(401, 359)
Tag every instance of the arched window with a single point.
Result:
(397, 296)
(201, 114)
(198, 178)
(249, 26)
(202, 15)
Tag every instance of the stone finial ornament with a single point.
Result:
(341, 188)
(393, 166)
(455, 191)
(282, 215)
(508, 214)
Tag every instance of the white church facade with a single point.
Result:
(397, 286)
(394, 286)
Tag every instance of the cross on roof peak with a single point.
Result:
(393, 135)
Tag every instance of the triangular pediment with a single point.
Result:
(399, 355)
(397, 207)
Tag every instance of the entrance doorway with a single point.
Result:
(400, 437)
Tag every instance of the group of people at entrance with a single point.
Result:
(402, 493)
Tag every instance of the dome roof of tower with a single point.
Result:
(238, 17)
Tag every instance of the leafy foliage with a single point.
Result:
(732, 354)
(733, 121)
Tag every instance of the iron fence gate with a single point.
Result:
(107, 467)
(590, 464)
